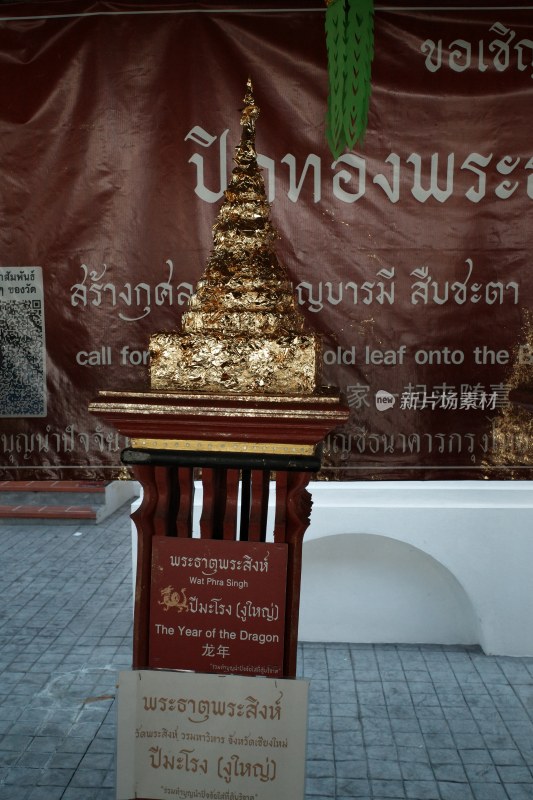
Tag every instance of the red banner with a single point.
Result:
(410, 255)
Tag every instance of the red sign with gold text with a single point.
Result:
(218, 606)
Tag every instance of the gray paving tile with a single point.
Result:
(342, 752)
(386, 770)
(22, 776)
(103, 743)
(387, 753)
(320, 769)
(63, 760)
(21, 728)
(85, 778)
(344, 724)
(387, 789)
(46, 793)
(507, 757)
(347, 739)
(489, 791)
(14, 792)
(481, 773)
(515, 774)
(519, 791)
(78, 793)
(413, 755)
(31, 758)
(379, 738)
(469, 741)
(499, 741)
(376, 725)
(413, 740)
(72, 744)
(106, 793)
(403, 725)
(316, 737)
(8, 758)
(434, 723)
(421, 790)
(110, 779)
(317, 787)
(455, 791)
(450, 772)
(416, 771)
(320, 751)
(321, 709)
(348, 789)
(352, 770)
(344, 710)
(429, 716)
(440, 740)
(15, 742)
(55, 777)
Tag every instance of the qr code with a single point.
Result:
(22, 359)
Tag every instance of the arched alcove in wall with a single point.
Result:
(370, 588)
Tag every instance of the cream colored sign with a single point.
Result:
(218, 737)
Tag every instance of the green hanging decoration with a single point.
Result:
(350, 46)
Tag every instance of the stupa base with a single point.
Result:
(281, 365)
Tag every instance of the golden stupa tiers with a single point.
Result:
(242, 332)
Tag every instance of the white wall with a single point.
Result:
(440, 562)
(367, 588)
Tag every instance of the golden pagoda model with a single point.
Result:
(242, 333)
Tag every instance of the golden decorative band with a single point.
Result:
(205, 445)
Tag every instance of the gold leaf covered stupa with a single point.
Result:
(242, 332)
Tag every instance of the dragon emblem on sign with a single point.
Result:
(173, 598)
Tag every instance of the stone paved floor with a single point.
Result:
(385, 722)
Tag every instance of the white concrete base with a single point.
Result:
(116, 494)
(440, 562)
(436, 562)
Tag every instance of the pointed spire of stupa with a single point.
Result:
(243, 234)
(245, 152)
(242, 332)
